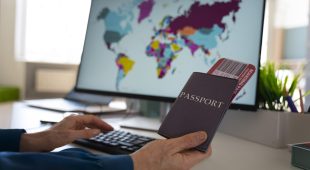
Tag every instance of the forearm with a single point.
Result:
(68, 159)
(46, 140)
(17, 140)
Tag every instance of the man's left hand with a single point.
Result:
(64, 132)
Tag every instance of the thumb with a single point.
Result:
(85, 133)
(188, 141)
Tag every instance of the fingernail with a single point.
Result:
(96, 131)
(202, 136)
(111, 127)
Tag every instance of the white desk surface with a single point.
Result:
(228, 152)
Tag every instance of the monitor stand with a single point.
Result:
(88, 98)
(151, 114)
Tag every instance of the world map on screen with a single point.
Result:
(199, 28)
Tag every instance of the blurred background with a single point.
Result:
(41, 43)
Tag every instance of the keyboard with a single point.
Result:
(115, 142)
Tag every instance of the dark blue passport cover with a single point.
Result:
(200, 105)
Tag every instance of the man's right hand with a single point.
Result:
(171, 154)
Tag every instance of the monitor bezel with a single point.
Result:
(170, 99)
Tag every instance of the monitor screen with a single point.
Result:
(149, 48)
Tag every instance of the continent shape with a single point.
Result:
(206, 37)
(197, 28)
(145, 9)
(117, 23)
(125, 65)
(188, 31)
(197, 12)
(164, 53)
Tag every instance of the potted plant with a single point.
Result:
(273, 124)
(275, 92)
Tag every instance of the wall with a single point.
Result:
(16, 73)
(11, 72)
(295, 41)
(307, 71)
(55, 85)
(275, 34)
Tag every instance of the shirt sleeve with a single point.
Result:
(10, 139)
(76, 159)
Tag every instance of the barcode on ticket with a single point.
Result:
(230, 68)
(233, 69)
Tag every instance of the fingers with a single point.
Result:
(85, 133)
(56, 138)
(193, 157)
(187, 141)
(93, 122)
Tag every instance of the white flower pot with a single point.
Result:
(271, 128)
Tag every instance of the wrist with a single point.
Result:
(136, 161)
(142, 161)
(32, 142)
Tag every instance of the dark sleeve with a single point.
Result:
(76, 159)
(10, 139)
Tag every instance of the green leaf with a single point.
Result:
(293, 85)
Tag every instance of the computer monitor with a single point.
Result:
(148, 48)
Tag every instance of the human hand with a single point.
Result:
(64, 132)
(171, 154)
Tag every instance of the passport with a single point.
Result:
(201, 105)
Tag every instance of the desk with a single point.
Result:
(228, 152)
